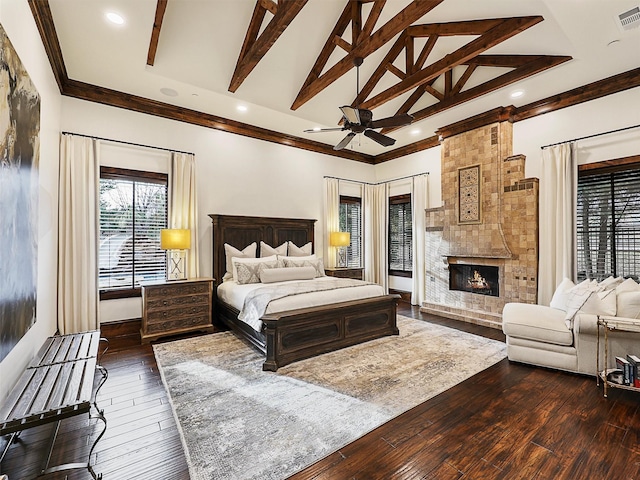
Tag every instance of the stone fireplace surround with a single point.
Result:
(502, 231)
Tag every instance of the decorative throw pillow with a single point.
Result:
(601, 303)
(316, 263)
(576, 298)
(251, 272)
(285, 274)
(628, 304)
(255, 262)
(295, 251)
(267, 250)
(559, 300)
(629, 285)
(233, 252)
(306, 257)
(611, 282)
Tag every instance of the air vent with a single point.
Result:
(629, 20)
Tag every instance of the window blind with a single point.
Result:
(400, 234)
(133, 210)
(351, 221)
(608, 224)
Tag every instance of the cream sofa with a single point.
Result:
(566, 338)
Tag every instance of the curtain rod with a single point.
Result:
(126, 143)
(591, 136)
(369, 183)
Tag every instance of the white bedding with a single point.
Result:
(232, 293)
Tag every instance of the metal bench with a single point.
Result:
(57, 384)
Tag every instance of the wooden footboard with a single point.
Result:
(298, 334)
(303, 333)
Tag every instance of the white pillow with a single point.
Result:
(295, 251)
(611, 282)
(267, 250)
(306, 257)
(629, 285)
(629, 304)
(283, 274)
(601, 303)
(576, 298)
(232, 252)
(255, 263)
(559, 300)
(316, 263)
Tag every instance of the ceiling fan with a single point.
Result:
(360, 120)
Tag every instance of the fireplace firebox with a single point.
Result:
(480, 279)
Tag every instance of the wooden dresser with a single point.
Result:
(179, 306)
(348, 272)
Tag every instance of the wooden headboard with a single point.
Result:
(241, 231)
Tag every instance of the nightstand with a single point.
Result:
(348, 272)
(178, 306)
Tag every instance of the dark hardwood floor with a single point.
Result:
(508, 422)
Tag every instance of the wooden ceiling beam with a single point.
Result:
(426, 50)
(509, 61)
(329, 46)
(270, 5)
(542, 63)
(343, 44)
(373, 17)
(255, 47)
(396, 71)
(507, 28)
(43, 17)
(467, 27)
(464, 79)
(161, 6)
(315, 84)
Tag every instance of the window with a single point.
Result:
(133, 210)
(351, 221)
(608, 222)
(400, 255)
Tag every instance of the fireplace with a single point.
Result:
(479, 279)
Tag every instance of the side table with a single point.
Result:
(345, 272)
(609, 324)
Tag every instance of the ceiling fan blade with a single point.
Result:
(395, 121)
(380, 138)
(345, 141)
(351, 114)
(337, 129)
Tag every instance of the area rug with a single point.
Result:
(238, 422)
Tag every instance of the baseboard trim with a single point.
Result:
(122, 333)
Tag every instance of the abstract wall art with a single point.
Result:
(19, 156)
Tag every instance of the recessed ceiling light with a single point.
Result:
(169, 92)
(115, 18)
(316, 129)
(242, 108)
(517, 93)
(415, 131)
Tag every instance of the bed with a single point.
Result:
(291, 335)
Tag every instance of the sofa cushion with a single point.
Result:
(536, 322)
(559, 300)
(629, 304)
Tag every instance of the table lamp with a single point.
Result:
(340, 240)
(176, 241)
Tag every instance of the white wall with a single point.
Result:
(16, 18)
(602, 115)
(236, 175)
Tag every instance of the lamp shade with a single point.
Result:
(340, 239)
(175, 239)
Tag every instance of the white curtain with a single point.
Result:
(419, 202)
(78, 234)
(182, 204)
(332, 216)
(558, 191)
(376, 214)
